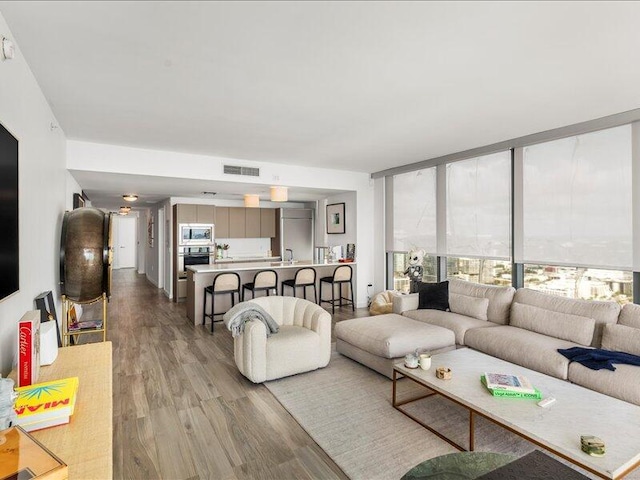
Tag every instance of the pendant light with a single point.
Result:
(251, 200)
(279, 194)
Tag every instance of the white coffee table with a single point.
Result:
(577, 411)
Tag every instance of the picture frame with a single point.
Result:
(78, 201)
(335, 218)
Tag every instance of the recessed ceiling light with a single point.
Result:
(130, 197)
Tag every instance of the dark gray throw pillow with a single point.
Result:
(433, 295)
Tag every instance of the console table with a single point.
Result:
(86, 443)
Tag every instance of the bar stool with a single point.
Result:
(341, 275)
(224, 283)
(263, 280)
(305, 277)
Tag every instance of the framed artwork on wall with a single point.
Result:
(335, 218)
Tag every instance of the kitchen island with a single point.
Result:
(200, 276)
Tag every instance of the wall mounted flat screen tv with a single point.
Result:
(9, 245)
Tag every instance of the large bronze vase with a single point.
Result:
(85, 254)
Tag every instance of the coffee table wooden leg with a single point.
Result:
(395, 378)
(471, 431)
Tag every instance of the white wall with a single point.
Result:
(138, 161)
(43, 191)
(350, 221)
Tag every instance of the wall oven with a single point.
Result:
(195, 234)
(194, 256)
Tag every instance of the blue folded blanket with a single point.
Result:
(598, 359)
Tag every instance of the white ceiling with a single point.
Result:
(360, 86)
(105, 189)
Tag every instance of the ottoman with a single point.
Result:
(379, 342)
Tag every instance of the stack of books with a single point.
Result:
(505, 385)
(46, 404)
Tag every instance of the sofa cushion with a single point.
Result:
(458, 324)
(573, 328)
(621, 338)
(293, 350)
(522, 347)
(392, 336)
(473, 307)
(630, 315)
(433, 295)
(601, 312)
(622, 384)
(499, 297)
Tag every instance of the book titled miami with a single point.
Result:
(512, 383)
(28, 348)
(46, 404)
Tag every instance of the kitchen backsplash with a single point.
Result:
(246, 247)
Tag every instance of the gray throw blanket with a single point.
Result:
(244, 312)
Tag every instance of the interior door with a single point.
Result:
(125, 244)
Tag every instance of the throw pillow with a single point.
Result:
(474, 307)
(573, 328)
(434, 296)
(621, 338)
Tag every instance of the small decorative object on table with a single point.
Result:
(425, 361)
(8, 397)
(411, 360)
(443, 373)
(592, 445)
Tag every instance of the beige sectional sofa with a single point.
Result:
(472, 306)
(527, 327)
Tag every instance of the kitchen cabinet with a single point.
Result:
(187, 213)
(205, 214)
(237, 219)
(222, 222)
(252, 222)
(267, 222)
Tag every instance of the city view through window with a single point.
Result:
(570, 282)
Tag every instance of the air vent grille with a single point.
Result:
(236, 170)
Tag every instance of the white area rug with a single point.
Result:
(346, 408)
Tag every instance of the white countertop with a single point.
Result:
(259, 265)
(246, 259)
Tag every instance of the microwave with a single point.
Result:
(195, 234)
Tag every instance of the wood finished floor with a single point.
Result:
(181, 410)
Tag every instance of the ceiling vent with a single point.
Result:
(236, 170)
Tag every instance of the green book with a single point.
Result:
(506, 393)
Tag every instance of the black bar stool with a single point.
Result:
(263, 280)
(224, 283)
(341, 275)
(305, 277)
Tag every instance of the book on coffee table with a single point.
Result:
(500, 392)
(512, 383)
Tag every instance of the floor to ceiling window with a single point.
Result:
(567, 203)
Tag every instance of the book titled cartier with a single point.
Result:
(28, 348)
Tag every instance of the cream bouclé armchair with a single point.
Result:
(302, 344)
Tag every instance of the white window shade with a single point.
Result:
(479, 207)
(577, 201)
(414, 211)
